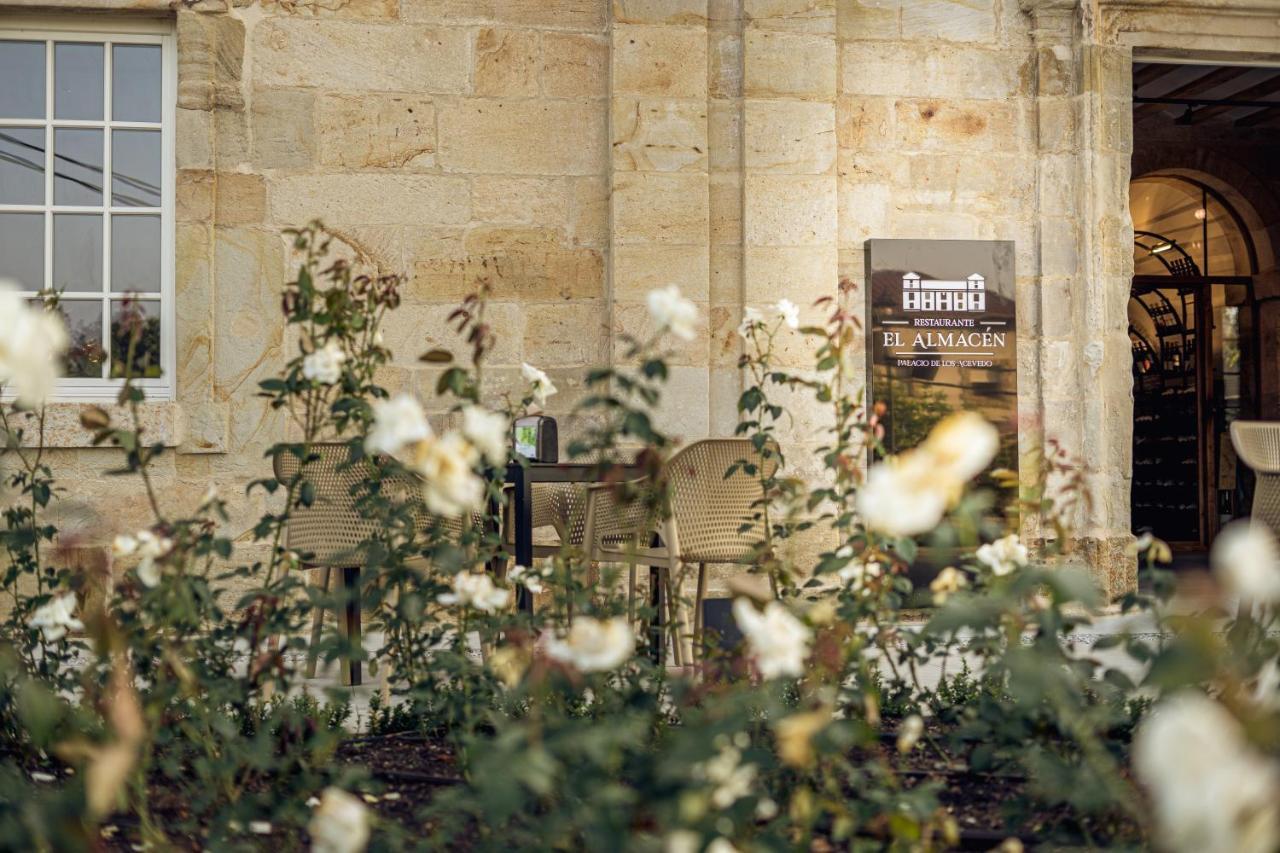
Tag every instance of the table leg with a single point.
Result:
(657, 623)
(351, 582)
(522, 512)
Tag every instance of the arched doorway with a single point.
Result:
(1195, 341)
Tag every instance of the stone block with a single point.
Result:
(507, 63)
(585, 15)
(724, 136)
(807, 16)
(679, 12)
(660, 62)
(193, 139)
(499, 199)
(416, 327)
(864, 211)
(240, 199)
(569, 334)
(284, 129)
(926, 70)
(652, 207)
(725, 208)
(640, 269)
(788, 136)
(868, 19)
(726, 274)
(725, 71)
(783, 64)
(930, 123)
(193, 309)
(659, 135)
(230, 139)
(789, 210)
(361, 57)
(210, 61)
(864, 124)
(370, 199)
(589, 211)
(802, 274)
(248, 268)
(519, 264)
(204, 428)
(376, 10)
(632, 320)
(574, 66)
(949, 20)
(193, 196)
(373, 131)
(541, 137)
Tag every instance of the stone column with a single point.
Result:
(790, 228)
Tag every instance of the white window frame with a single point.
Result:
(109, 30)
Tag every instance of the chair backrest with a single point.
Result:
(1257, 444)
(329, 532)
(709, 509)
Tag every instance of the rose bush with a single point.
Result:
(857, 712)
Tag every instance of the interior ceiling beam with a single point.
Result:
(1150, 72)
(1204, 83)
(1255, 92)
(1264, 116)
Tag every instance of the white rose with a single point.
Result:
(1245, 557)
(593, 645)
(526, 578)
(963, 445)
(32, 341)
(471, 589)
(540, 387)
(909, 733)
(1211, 790)
(673, 313)
(906, 496)
(778, 641)
(488, 431)
(1003, 556)
(450, 486)
(56, 617)
(732, 779)
(682, 841)
(325, 364)
(750, 318)
(949, 581)
(858, 573)
(789, 313)
(397, 423)
(340, 823)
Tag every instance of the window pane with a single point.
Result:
(135, 324)
(77, 169)
(135, 254)
(77, 252)
(77, 70)
(135, 168)
(22, 249)
(135, 82)
(86, 353)
(21, 165)
(22, 70)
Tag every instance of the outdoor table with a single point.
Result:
(521, 478)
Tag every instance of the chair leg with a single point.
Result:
(631, 593)
(351, 624)
(699, 641)
(673, 620)
(317, 625)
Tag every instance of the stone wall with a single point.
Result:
(576, 153)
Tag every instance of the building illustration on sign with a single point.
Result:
(967, 295)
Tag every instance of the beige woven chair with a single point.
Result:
(705, 524)
(1257, 443)
(328, 534)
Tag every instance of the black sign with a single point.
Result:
(942, 336)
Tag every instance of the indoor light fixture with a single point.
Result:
(1161, 247)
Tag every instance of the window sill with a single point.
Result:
(162, 421)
